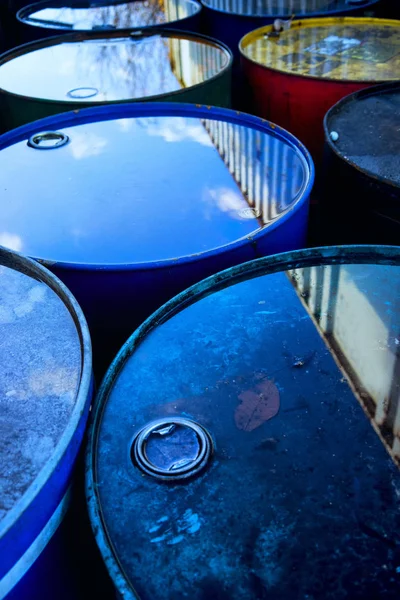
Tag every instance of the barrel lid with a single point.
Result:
(339, 49)
(364, 129)
(290, 364)
(111, 66)
(67, 15)
(44, 356)
(287, 8)
(159, 182)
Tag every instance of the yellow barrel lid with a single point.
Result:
(344, 49)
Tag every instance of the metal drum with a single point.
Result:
(131, 204)
(298, 74)
(53, 17)
(361, 182)
(246, 439)
(45, 392)
(84, 70)
(230, 20)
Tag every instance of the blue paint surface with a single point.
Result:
(304, 505)
(136, 190)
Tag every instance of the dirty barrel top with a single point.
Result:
(110, 67)
(170, 186)
(368, 125)
(40, 357)
(106, 15)
(341, 49)
(299, 497)
(284, 8)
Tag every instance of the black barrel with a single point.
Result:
(360, 190)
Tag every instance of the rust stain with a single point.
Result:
(257, 406)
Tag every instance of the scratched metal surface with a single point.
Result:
(300, 499)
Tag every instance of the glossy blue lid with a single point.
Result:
(291, 365)
(109, 66)
(40, 375)
(146, 183)
(72, 16)
(287, 8)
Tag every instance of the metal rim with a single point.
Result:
(168, 109)
(389, 255)
(186, 470)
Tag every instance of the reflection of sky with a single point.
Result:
(119, 69)
(134, 190)
(39, 377)
(125, 15)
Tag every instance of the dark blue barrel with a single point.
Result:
(233, 451)
(230, 20)
(53, 17)
(45, 393)
(129, 205)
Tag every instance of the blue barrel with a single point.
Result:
(230, 20)
(233, 451)
(131, 204)
(53, 17)
(45, 393)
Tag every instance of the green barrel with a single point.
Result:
(77, 71)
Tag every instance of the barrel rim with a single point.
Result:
(318, 14)
(350, 254)
(145, 109)
(81, 36)
(376, 90)
(30, 267)
(25, 12)
(309, 23)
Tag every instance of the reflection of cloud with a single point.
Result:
(177, 129)
(85, 145)
(11, 240)
(227, 200)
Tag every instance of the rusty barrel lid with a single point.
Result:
(241, 438)
(337, 49)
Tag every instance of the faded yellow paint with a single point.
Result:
(344, 49)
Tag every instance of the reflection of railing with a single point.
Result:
(272, 7)
(268, 171)
(364, 340)
(194, 62)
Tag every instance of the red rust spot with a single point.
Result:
(257, 406)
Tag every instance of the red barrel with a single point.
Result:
(297, 74)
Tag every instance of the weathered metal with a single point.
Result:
(291, 364)
(360, 184)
